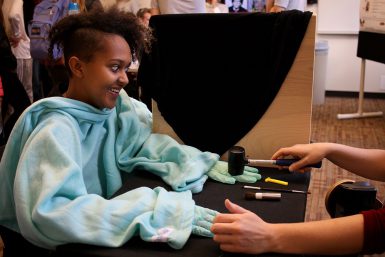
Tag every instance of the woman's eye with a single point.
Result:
(115, 68)
(127, 69)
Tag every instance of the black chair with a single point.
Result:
(348, 197)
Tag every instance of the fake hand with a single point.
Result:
(219, 173)
(203, 220)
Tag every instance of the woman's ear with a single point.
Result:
(75, 66)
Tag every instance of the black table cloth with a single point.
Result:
(290, 208)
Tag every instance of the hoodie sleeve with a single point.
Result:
(374, 231)
(180, 166)
(53, 206)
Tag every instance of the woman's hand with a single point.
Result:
(242, 231)
(277, 8)
(306, 153)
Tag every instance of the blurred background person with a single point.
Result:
(132, 88)
(177, 6)
(56, 69)
(258, 6)
(14, 98)
(13, 16)
(212, 6)
(133, 5)
(285, 5)
(237, 6)
(144, 15)
(40, 79)
(108, 3)
(93, 4)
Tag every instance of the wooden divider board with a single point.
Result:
(288, 119)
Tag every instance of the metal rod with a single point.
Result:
(278, 189)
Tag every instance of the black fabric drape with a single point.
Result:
(213, 76)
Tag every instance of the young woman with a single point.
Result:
(65, 159)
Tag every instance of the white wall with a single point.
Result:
(344, 67)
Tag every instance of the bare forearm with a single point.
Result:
(367, 163)
(269, 4)
(335, 236)
(155, 11)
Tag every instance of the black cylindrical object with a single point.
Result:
(354, 198)
(236, 160)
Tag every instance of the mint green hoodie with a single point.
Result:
(63, 161)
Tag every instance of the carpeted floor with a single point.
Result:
(362, 132)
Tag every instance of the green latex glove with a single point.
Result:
(203, 220)
(219, 173)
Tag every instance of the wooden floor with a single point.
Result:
(364, 132)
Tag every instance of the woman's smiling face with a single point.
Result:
(105, 74)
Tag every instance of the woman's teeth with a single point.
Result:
(114, 90)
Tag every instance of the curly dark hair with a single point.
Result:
(82, 34)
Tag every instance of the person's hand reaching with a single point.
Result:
(306, 153)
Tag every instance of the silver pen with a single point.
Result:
(278, 189)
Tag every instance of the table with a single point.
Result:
(291, 208)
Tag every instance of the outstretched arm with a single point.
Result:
(155, 7)
(364, 162)
(16, 23)
(276, 5)
(243, 231)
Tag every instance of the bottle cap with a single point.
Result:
(73, 6)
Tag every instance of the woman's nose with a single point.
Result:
(123, 78)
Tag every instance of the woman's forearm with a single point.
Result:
(367, 163)
(269, 4)
(336, 236)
